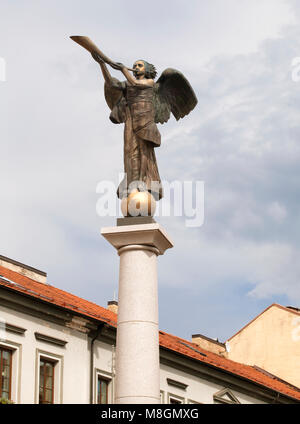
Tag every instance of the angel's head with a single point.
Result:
(141, 67)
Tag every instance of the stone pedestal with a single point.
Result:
(137, 350)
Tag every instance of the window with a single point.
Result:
(102, 390)
(102, 387)
(48, 377)
(5, 373)
(46, 385)
(175, 401)
(10, 366)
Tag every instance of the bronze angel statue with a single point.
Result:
(140, 103)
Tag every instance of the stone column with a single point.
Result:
(137, 350)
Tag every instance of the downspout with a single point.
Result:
(98, 331)
(113, 373)
(276, 398)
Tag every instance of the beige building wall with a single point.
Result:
(272, 342)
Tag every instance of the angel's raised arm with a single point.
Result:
(110, 81)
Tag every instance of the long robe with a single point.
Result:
(141, 136)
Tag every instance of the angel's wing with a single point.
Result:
(115, 99)
(173, 93)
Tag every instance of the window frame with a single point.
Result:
(106, 376)
(178, 399)
(107, 381)
(15, 377)
(53, 364)
(6, 349)
(58, 375)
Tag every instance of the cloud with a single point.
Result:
(247, 151)
(277, 211)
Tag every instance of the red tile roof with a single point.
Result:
(60, 298)
(51, 294)
(247, 372)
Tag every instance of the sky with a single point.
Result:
(242, 141)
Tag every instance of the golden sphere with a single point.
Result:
(138, 203)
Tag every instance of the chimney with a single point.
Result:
(27, 271)
(209, 344)
(112, 306)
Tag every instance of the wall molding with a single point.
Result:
(49, 339)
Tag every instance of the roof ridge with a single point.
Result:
(22, 265)
(257, 316)
(62, 291)
(286, 308)
(81, 298)
(111, 316)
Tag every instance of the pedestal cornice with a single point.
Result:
(143, 234)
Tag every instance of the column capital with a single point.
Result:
(142, 234)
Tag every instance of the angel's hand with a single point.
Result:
(97, 57)
(118, 66)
